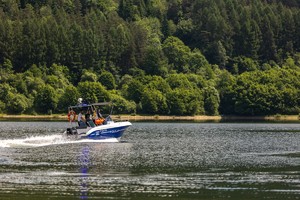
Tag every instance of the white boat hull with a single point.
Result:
(107, 131)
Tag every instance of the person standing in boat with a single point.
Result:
(81, 120)
(71, 115)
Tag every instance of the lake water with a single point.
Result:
(152, 161)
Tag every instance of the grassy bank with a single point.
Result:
(160, 118)
(35, 117)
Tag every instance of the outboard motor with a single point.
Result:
(71, 131)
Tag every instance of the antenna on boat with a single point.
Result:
(111, 110)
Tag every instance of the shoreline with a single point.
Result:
(61, 117)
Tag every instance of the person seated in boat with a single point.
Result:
(98, 117)
(98, 113)
(99, 121)
(80, 119)
(87, 115)
(88, 119)
(95, 116)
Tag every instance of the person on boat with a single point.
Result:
(87, 115)
(95, 116)
(71, 115)
(99, 114)
(81, 120)
(98, 119)
(88, 119)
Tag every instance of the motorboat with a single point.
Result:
(95, 126)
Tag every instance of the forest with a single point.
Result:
(156, 57)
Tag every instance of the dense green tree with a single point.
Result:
(155, 62)
(160, 84)
(250, 38)
(197, 61)
(134, 90)
(60, 71)
(74, 56)
(226, 84)
(5, 70)
(17, 103)
(211, 101)
(268, 46)
(53, 81)
(140, 37)
(7, 39)
(4, 90)
(17, 82)
(219, 54)
(46, 100)
(2, 107)
(261, 93)
(257, 100)
(119, 45)
(35, 71)
(167, 56)
(183, 101)
(168, 27)
(244, 64)
(154, 102)
(93, 92)
(176, 103)
(88, 76)
(108, 80)
(157, 8)
(179, 81)
(127, 9)
(198, 80)
(185, 30)
(33, 83)
(121, 105)
(68, 98)
(177, 53)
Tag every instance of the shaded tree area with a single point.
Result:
(173, 57)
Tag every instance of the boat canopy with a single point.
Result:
(85, 105)
(102, 104)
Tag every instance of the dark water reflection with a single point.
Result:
(153, 161)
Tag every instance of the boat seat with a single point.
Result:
(91, 123)
(81, 127)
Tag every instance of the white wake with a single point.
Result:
(40, 141)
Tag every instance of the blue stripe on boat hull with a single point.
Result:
(107, 133)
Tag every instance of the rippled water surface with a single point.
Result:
(152, 161)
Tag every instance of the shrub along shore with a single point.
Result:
(61, 117)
